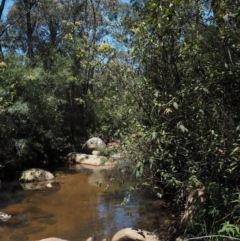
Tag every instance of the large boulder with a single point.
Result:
(36, 175)
(128, 234)
(93, 160)
(93, 144)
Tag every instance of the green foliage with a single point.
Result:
(106, 152)
(167, 85)
(187, 92)
(31, 117)
(230, 229)
(52, 100)
(23, 175)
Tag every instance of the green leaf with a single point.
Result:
(206, 90)
(175, 105)
(156, 93)
(183, 128)
(235, 150)
(154, 134)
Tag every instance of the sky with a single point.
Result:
(8, 4)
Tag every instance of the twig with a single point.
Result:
(214, 236)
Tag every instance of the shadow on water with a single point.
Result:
(75, 208)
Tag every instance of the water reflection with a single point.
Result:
(114, 215)
(75, 208)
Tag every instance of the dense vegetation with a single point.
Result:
(164, 76)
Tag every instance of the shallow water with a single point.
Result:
(75, 208)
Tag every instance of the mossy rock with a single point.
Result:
(36, 175)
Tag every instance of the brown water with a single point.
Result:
(75, 208)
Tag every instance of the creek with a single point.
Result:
(75, 208)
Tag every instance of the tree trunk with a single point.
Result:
(1, 12)
(2, 8)
(29, 5)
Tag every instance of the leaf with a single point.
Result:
(196, 88)
(222, 230)
(154, 134)
(206, 90)
(175, 105)
(183, 128)
(235, 150)
(178, 1)
(156, 93)
(137, 174)
(159, 195)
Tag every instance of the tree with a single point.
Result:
(1, 23)
(187, 91)
(50, 84)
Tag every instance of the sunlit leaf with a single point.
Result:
(183, 128)
(156, 93)
(175, 105)
(154, 134)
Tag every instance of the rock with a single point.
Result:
(93, 144)
(134, 234)
(95, 152)
(93, 160)
(52, 239)
(4, 217)
(36, 175)
(91, 239)
(49, 185)
(126, 234)
(71, 157)
(58, 239)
